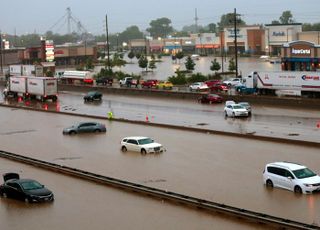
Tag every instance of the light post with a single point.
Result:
(1, 64)
(117, 42)
(235, 41)
(108, 49)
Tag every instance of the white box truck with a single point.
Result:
(42, 88)
(16, 86)
(292, 83)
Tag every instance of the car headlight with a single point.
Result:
(308, 185)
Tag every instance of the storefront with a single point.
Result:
(300, 56)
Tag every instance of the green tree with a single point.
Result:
(232, 65)
(286, 17)
(160, 28)
(180, 55)
(130, 33)
(198, 77)
(152, 64)
(311, 27)
(215, 66)
(131, 55)
(189, 64)
(143, 62)
(227, 20)
(89, 64)
(118, 61)
(138, 55)
(180, 79)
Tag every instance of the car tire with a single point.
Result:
(124, 149)
(72, 132)
(269, 184)
(27, 200)
(97, 131)
(297, 189)
(233, 114)
(225, 114)
(143, 152)
(4, 195)
(210, 102)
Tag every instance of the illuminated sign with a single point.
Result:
(300, 51)
(49, 51)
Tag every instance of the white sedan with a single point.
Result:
(235, 110)
(197, 86)
(143, 145)
(233, 82)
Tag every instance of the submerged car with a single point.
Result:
(24, 189)
(235, 110)
(143, 145)
(85, 127)
(246, 105)
(92, 96)
(291, 176)
(210, 98)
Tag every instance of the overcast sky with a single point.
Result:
(29, 16)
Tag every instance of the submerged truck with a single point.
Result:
(292, 83)
(42, 88)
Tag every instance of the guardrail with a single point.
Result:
(163, 194)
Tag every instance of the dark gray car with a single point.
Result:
(85, 127)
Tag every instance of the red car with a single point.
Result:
(219, 87)
(212, 82)
(210, 98)
(149, 83)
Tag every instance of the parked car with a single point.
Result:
(104, 81)
(291, 176)
(143, 145)
(233, 81)
(210, 98)
(219, 87)
(92, 96)
(85, 127)
(247, 106)
(149, 84)
(164, 85)
(235, 110)
(212, 82)
(24, 189)
(198, 86)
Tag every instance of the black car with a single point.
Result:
(24, 189)
(104, 81)
(92, 96)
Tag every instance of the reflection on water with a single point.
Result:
(48, 105)
(167, 68)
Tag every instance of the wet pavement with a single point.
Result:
(217, 168)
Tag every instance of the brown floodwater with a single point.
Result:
(217, 168)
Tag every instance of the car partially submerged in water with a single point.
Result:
(143, 145)
(28, 190)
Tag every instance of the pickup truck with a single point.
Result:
(128, 81)
(104, 81)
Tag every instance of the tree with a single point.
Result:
(227, 20)
(130, 33)
(180, 55)
(275, 22)
(160, 27)
(215, 66)
(118, 61)
(138, 55)
(286, 17)
(143, 62)
(189, 64)
(311, 27)
(152, 64)
(232, 65)
(131, 55)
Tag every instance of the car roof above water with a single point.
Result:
(288, 165)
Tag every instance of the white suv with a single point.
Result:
(143, 145)
(291, 176)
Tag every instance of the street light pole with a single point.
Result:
(1, 52)
(108, 50)
(235, 41)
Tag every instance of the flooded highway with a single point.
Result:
(265, 121)
(217, 168)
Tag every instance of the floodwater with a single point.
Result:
(217, 168)
(166, 68)
(265, 121)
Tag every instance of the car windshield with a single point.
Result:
(244, 104)
(91, 93)
(30, 185)
(237, 107)
(145, 141)
(303, 173)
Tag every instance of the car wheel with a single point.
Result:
(233, 114)
(97, 131)
(297, 189)
(72, 132)
(4, 195)
(210, 102)
(269, 183)
(225, 114)
(143, 151)
(124, 149)
(27, 200)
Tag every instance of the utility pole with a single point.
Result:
(235, 41)
(108, 50)
(196, 20)
(1, 64)
(69, 19)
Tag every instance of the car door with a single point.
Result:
(85, 127)
(14, 190)
(132, 145)
(229, 110)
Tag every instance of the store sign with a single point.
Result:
(49, 47)
(278, 34)
(300, 51)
